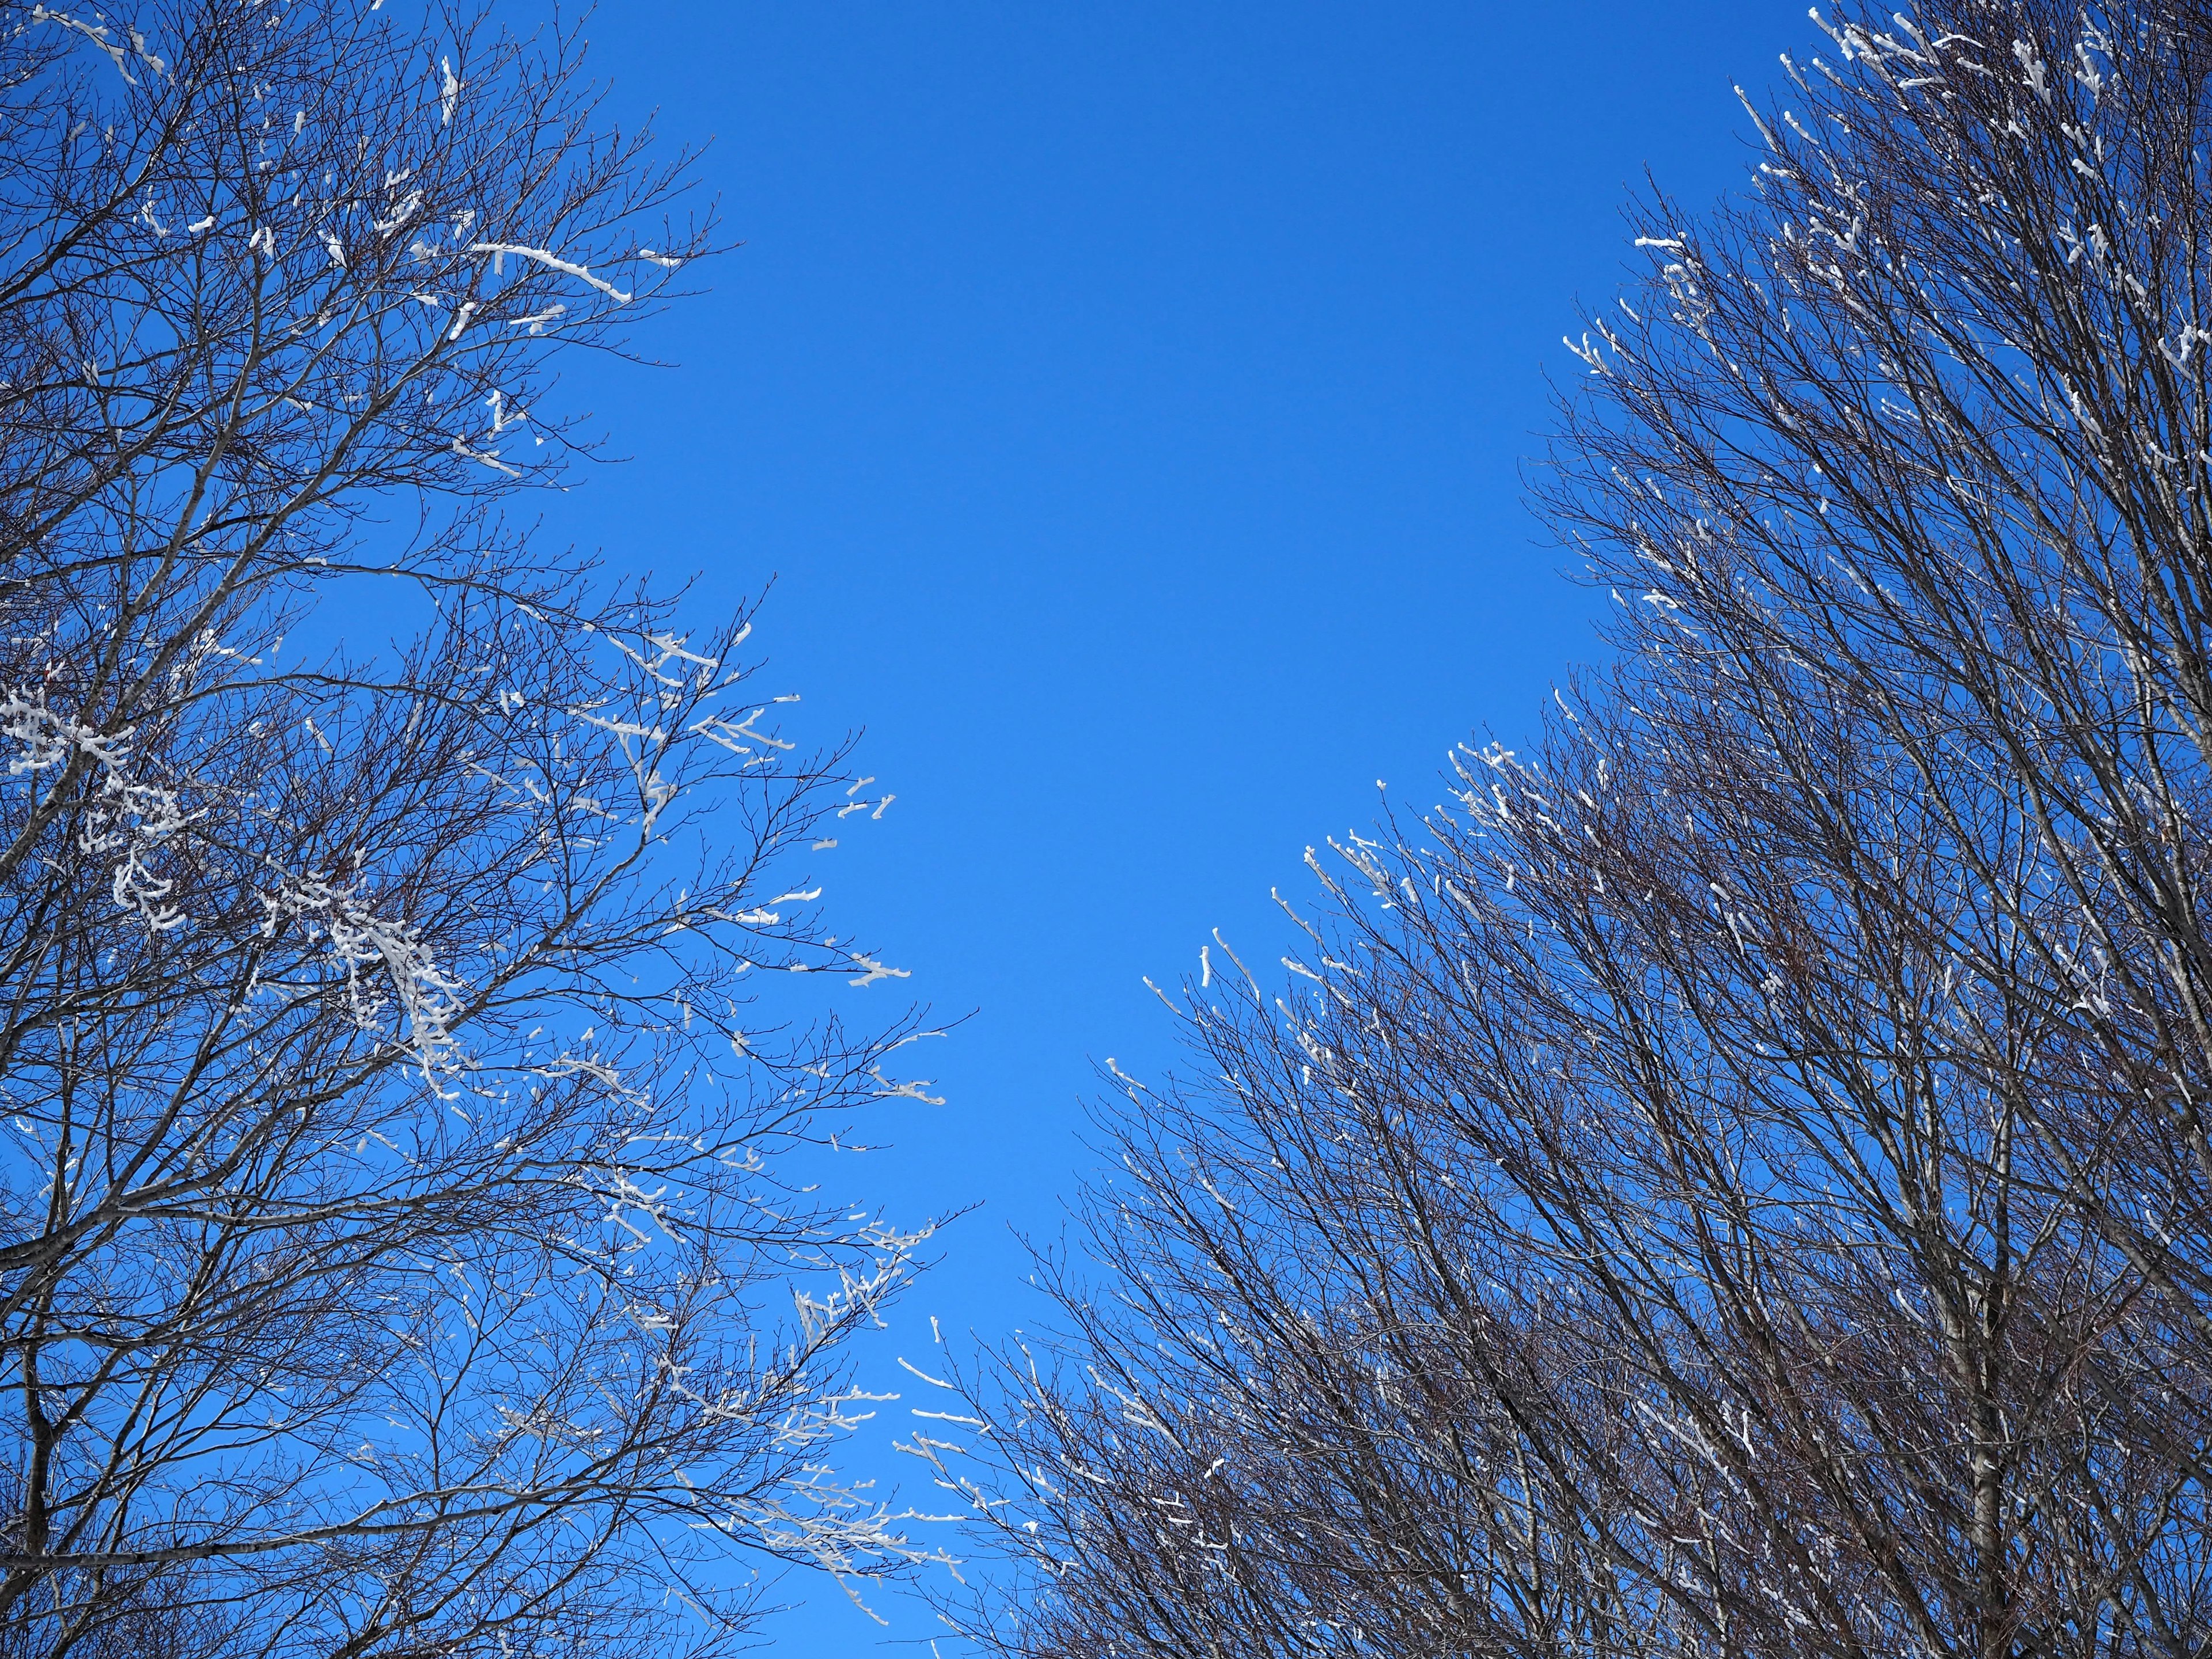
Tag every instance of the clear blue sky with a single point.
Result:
(1129, 401)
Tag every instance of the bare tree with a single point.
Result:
(1735, 1180)
(398, 1050)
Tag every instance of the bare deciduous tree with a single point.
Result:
(397, 1051)
(1736, 1180)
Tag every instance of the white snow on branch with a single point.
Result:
(97, 35)
(537, 321)
(727, 733)
(484, 457)
(50, 739)
(428, 998)
(499, 251)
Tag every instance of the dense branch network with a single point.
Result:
(1736, 1180)
(398, 1051)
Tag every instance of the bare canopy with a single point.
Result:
(1736, 1178)
(393, 1255)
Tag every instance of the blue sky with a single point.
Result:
(1129, 403)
